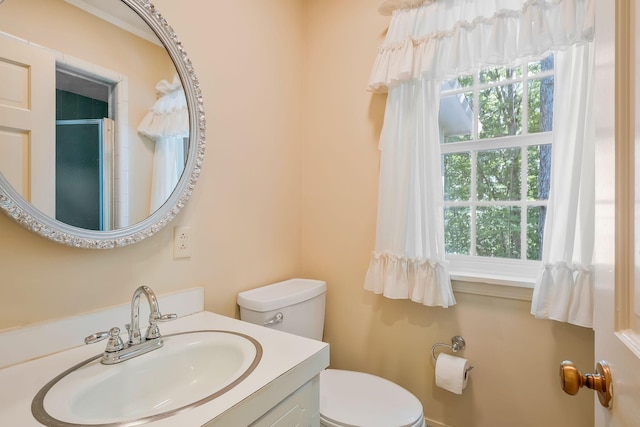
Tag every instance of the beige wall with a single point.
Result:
(289, 187)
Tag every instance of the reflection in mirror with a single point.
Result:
(96, 186)
(95, 124)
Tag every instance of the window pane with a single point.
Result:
(498, 174)
(545, 64)
(456, 117)
(539, 172)
(540, 104)
(483, 186)
(465, 81)
(494, 75)
(498, 231)
(536, 216)
(501, 111)
(457, 83)
(457, 236)
(456, 169)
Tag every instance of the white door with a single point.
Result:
(27, 121)
(617, 296)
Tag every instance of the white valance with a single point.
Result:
(387, 7)
(169, 116)
(437, 39)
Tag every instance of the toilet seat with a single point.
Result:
(357, 399)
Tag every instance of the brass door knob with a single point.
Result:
(573, 380)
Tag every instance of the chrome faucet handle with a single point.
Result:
(134, 336)
(98, 336)
(153, 331)
(153, 317)
(113, 344)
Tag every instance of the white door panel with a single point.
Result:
(27, 121)
(616, 330)
(14, 148)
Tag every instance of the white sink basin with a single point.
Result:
(191, 368)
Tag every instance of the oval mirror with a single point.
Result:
(101, 120)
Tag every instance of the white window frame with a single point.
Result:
(495, 273)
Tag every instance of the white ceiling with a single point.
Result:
(118, 13)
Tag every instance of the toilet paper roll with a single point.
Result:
(452, 373)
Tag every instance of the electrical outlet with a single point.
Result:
(181, 242)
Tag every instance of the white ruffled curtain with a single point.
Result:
(166, 123)
(408, 261)
(427, 42)
(564, 289)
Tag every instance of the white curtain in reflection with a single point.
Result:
(564, 289)
(166, 123)
(426, 43)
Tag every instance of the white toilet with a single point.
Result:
(347, 398)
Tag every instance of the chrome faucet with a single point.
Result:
(116, 350)
(134, 327)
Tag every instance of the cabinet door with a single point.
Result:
(299, 409)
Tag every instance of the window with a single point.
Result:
(495, 129)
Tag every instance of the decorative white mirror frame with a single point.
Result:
(25, 214)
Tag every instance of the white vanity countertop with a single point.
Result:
(288, 362)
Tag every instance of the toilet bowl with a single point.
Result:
(347, 398)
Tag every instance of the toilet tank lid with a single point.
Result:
(281, 294)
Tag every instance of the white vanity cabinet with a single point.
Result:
(300, 409)
(291, 400)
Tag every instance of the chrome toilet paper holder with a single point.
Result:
(457, 344)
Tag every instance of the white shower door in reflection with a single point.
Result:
(84, 173)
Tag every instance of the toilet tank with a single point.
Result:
(295, 306)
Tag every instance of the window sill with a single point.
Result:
(493, 286)
(495, 277)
